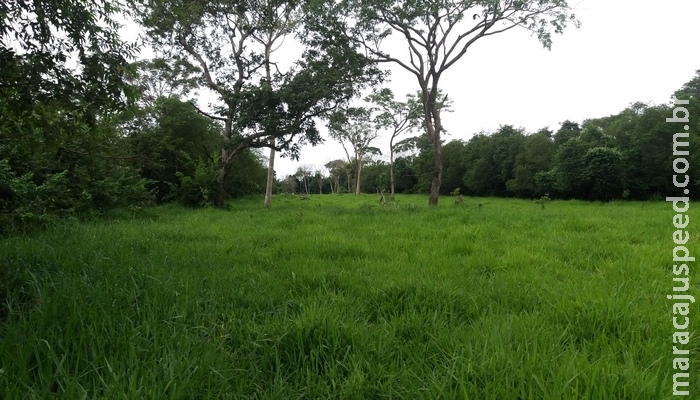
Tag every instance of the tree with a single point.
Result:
(422, 162)
(455, 165)
(643, 137)
(160, 77)
(177, 141)
(318, 175)
(36, 39)
(353, 128)
(492, 162)
(398, 117)
(375, 178)
(437, 35)
(290, 184)
(568, 130)
(303, 174)
(569, 167)
(690, 89)
(276, 19)
(405, 175)
(63, 78)
(223, 39)
(603, 174)
(336, 169)
(534, 157)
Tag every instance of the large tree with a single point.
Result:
(276, 20)
(229, 41)
(437, 34)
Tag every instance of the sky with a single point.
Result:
(625, 51)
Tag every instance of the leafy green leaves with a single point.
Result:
(65, 51)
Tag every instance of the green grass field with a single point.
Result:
(339, 297)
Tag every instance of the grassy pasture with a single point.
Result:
(338, 297)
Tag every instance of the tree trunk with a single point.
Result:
(434, 127)
(437, 173)
(221, 181)
(357, 179)
(271, 164)
(391, 169)
(270, 176)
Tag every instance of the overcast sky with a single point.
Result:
(625, 51)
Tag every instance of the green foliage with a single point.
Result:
(375, 175)
(568, 130)
(198, 189)
(405, 176)
(258, 108)
(423, 164)
(163, 78)
(64, 77)
(37, 38)
(493, 161)
(27, 204)
(247, 176)
(67, 168)
(534, 158)
(177, 141)
(454, 168)
(604, 173)
(569, 168)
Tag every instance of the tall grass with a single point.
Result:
(339, 297)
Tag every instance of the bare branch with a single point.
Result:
(210, 116)
(182, 39)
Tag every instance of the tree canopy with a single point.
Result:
(221, 36)
(437, 34)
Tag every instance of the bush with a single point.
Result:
(198, 190)
(28, 202)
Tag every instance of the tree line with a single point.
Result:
(85, 128)
(623, 156)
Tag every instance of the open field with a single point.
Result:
(338, 297)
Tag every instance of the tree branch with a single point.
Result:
(210, 116)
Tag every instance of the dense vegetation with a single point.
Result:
(339, 297)
(112, 132)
